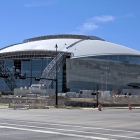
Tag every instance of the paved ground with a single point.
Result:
(69, 124)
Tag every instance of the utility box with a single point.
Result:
(105, 94)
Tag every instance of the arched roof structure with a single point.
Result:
(79, 45)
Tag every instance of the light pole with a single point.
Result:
(106, 78)
(97, 96)
(56, 91)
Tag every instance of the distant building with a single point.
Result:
(82, 63)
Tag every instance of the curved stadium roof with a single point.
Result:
(79, 45)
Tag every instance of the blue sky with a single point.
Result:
(116, 21)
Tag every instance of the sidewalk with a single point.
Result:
(103, 108)
(84, 108)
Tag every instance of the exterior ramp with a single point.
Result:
(50, 71)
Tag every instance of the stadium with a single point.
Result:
(81, 62)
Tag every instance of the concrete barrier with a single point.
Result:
(32, 104)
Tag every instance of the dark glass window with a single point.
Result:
(26, 68)
(102, 57)
(123, 58)
(113, 57)
(134, 59)
(9, 64)
(119, 58)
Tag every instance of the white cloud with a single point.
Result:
(40, 4)
(87, 26)
(104, 18)
(92, 23)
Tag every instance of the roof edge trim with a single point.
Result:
(62, 36)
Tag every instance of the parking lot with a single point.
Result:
(69, 124)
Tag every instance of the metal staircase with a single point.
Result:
(50, 71)
(9, 80)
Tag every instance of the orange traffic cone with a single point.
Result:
(99, 107)
(129, 107)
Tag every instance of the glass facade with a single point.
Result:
(118, 58)
(87, 73)
(109, 72)
(32, 68)
(9, 64)
(25, 68)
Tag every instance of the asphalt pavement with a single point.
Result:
(69, 124)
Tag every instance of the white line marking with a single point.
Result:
(106, 129)
(75, 131)
(57, 133)
(55, 116)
